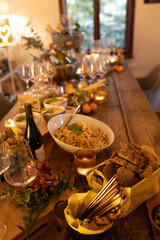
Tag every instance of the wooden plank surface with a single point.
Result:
(131, 118)
(143, 126)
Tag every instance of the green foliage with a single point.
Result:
(32, 42)
(34, 204)
(112, 20)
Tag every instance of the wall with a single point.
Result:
(42, 12)
(146, 49)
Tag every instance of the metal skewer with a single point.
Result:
(72, 115)
(105, 196)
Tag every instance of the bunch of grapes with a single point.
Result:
(45, 180)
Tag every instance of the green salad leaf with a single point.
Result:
(49, 110)
(20, 118)
(75, 128)
(53, 99)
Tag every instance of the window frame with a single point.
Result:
(130, 12)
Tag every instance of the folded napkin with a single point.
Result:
(139, 193)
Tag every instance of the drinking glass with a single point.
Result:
(84, 160)
(26, 73)
(22, 170)
(4, 164)
(49, 70)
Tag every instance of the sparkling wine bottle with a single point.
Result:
(62, 57)
(33, 135)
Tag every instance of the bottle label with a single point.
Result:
(40, 154)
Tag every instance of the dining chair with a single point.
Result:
(151, 80)
(150, 84)
(5, 106)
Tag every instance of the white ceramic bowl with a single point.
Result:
(22, 125)
(58, 121)
(56, 111)
(57, 102)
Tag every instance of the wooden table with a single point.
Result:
(131, 118)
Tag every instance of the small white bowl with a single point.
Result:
(58, 121)
(22, 125)
(56, 110)
(60, 101)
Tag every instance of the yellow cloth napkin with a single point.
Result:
(137, 194)
(76, 204)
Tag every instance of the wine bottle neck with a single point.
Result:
(28, 109)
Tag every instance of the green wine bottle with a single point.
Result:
(62, 57)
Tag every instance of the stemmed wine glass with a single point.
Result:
(26, 73)
(22, 170)
(49, 70)
(4, 165)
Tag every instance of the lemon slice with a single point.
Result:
(82, 125)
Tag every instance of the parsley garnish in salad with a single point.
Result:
(75, 128)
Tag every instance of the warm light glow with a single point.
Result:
(5, 33)
(95, 55)
(99, 98)
(78, 71)
(112, 60)
(17, 25)
(10, 124)
(4, 7)
(82, 171)
(87, 56)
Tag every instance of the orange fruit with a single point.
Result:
(120, 68)
(93, 106)
(86, 108)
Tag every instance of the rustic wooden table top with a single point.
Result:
(131, 118)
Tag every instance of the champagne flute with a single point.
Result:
(26, 73)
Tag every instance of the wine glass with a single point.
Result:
(26, 73)
(49, 70)
(4, 164)
(22, 170)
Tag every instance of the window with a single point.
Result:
(104, 18)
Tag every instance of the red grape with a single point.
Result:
(45, 185)
(47, 165)
(39, 165)
(53, 177)
(52, 189)
(42, 181)
(43, 175)
(47, 177)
